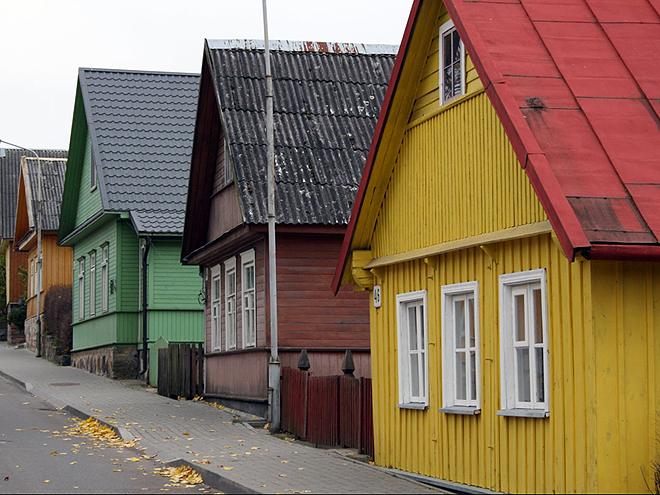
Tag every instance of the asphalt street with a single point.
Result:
(37, 455)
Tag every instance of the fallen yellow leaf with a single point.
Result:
(46, 481)
(227, 468)
(116, 470)
(284, 462)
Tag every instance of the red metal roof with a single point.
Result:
(576, 85)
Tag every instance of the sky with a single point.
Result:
(44, 42)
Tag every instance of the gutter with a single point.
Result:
(145, 266)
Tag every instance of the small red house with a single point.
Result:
(326, 103)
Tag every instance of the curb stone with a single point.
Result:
(212, 478)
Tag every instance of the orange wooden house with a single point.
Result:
(57, 262)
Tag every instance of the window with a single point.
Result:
(461, 357)
(104, 278)
(81, 288)
(452, 61)
(216, 340)
(229, 171)
(248, 290)
(40, 274)
(524, 342)
(92, 174)
(32, 290)
(412, 349)
(230, 303)
(92, 283)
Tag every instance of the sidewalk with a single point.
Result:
(184, 430)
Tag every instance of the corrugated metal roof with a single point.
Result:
(141, 125)
(577, 89)
(53, 172)
(326, 104)
(10, 173)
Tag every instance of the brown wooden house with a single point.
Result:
(327, 100)
(57, 261)
(10, 171)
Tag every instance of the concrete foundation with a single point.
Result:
(112, 362)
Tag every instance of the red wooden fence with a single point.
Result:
(328, 410)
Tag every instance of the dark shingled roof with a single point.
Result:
(327, 99)
(141, 125)
(10, 174)
(52, 186)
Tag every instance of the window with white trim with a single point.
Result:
(104, 278)
(32, 290)
(524, 341)
(248, 292)
(412, 332)
(216, 307)
(92, 283)
(81, 288)
(230, 303)
(461, 356)
(452, 63)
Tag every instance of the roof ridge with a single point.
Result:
(304, 46)
(134, 71)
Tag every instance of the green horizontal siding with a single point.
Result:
(107, 330)
(176, 326)
(129, 267)
(89, 201)
(172, 285)
(93, 242)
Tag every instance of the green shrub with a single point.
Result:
(57, 317)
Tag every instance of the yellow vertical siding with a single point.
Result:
(456, 176)
(604, 333)
(58, 268)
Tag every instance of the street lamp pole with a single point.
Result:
(39, 258)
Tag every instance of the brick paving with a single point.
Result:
(196, 432)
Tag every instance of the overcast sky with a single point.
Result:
(44, 42)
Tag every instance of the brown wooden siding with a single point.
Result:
(225, 213)
(58, 268)
(309, 315)
(14, 261)
(241, 375)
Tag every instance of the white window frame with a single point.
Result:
(406, 399)
(523, 284)
(216, 307)
(451, 403)
(104, 278)
(248, 314)
(230, 305)
(92, 283)
(444, 30)
(81, 289)
(32, 289)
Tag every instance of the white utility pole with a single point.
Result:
(274, 365)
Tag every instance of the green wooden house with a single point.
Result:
(122, 213)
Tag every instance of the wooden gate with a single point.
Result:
(328, 410)
(181, 371)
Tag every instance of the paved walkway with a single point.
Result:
(247, 458)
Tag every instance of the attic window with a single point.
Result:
(452, 63)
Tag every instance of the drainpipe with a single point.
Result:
(145, 265)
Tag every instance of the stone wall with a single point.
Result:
(112, 362)
(31, 333)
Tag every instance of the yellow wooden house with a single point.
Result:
(507, 223)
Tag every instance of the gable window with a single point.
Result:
(216, 340)
(92, 283)
(412, 332)
(452, 63)
(461, 369)
(248, 292)
(104, 278)
(92, 174)
(81, 288)
(229, 171)
(230, 303)
(524, 344)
